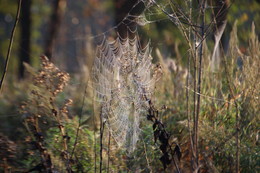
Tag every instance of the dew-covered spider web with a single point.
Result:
(123, 81)
(123, 74)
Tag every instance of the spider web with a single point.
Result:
(123, 74)
(123, 81)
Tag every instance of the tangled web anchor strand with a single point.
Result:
(123, 80)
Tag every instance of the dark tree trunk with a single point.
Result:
(123, 8)
(55, 22)
(25, 42)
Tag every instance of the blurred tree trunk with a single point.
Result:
(123, 8)
(25, 40)
(55, 22)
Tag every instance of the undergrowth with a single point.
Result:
(58, 135)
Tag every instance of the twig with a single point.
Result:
(237, 139)
(170, 16)
(194, 104)
(187, 84)
(80, 117)
(199, 83)
(174, 161)
(95, 144)
(108, 151)
(146, 157)
(10, 44)
(64, 136)
(102, 125)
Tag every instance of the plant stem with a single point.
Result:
(237, 138)
(194, 106)
(187, 86)
(10, 44)
(101, 141)
(95, 144)
(80, 117)
(199, 82)
(146, 157)
(108, 152)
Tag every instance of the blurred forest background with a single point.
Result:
(65, 31)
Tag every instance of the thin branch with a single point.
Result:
(101, 130)
(95, 144)
(80, 117)
(170, 16)
(199, 82)
(194, 103)
(63, 134)
(10, 44)
(187, 84)
(146, 157)
(108, 150)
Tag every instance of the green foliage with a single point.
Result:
(83, 148)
